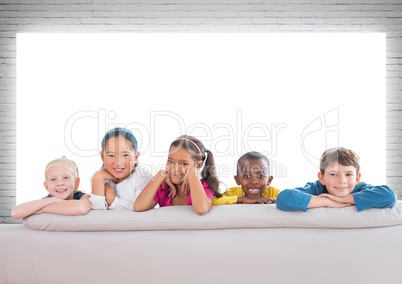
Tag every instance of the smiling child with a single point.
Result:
(64, 198)
(338, 185)
(121, 179)
(254, 179)
(187, 156)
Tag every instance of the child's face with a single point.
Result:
(254, 177)
(119, 158)
(339, 180)
(60, 181)
(178, 163)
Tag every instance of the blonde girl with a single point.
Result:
(64, 198)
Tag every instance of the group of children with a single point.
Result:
(190, 179)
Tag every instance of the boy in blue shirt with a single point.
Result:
(338, 185)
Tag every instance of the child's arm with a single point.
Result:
(116, 203)
(98, 182)
(311, 196)
(268, 197)
(109, 194)
(201, 202)
(298, 199)
(255, 200)
(366, 196)
(242, 200)
(328, 200)
(69, 207)
(98, 194)
(145, 200)
(31, 207)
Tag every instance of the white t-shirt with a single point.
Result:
(126, 191)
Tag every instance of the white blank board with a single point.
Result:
(288, 95)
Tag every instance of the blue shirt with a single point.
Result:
(365, 196)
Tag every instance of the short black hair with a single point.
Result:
(253, 155)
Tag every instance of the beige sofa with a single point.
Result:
(230, 244)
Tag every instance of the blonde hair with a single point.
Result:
(64, 161)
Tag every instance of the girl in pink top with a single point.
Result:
(187, 155)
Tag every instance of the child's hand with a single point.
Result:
(54, 200)
(185, 187)
(109, 194)
(190, 174)
(255, 200)
(57, 199)
(168, 184)
(332, 201)
(104, 174)
(172, 187)
(342, 200)
(98, 182)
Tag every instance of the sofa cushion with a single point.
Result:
(219, 217)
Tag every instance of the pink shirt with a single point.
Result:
(161, 197)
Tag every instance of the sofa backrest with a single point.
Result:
(219, 217)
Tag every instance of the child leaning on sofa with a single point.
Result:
(187, 156)
(253, 176)
(64, 197)
(338, 185)
(121, 179)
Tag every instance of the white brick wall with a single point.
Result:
(201, 15)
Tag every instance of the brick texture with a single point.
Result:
(206, 15)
